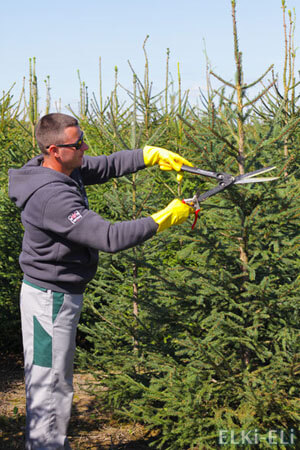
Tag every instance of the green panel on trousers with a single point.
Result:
(42, 345)
(35, 286)
(58, 299)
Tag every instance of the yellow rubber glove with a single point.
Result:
(175, 213)
(165, 159)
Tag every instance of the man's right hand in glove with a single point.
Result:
(165, 159)
(174, 214)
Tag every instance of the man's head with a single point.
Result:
(61, 141)
(51, 129)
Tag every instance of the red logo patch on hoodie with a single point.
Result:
(74, 217)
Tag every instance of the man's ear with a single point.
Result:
(53, 150)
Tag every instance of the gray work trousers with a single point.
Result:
(49, 323)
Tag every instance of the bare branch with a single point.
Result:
(222, 80)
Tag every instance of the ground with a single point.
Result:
(88, 428)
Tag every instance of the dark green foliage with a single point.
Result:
(16, 149)
(216, 350)
(215, 343)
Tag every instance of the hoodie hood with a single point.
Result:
(24, 182)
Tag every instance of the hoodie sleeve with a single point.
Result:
(99, 169)
(66, 215)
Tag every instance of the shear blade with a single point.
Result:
(255, 180)
(257, 172)
(249, 177)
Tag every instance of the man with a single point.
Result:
(60, 255)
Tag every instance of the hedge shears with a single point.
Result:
(225, 180)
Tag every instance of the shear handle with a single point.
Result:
(195, 204)
(197, 171)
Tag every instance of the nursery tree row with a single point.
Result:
(195, 331)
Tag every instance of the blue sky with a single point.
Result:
(65, 36)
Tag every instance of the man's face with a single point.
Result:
(70, 158)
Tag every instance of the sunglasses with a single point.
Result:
(77, 145)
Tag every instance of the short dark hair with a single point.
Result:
(50, 129)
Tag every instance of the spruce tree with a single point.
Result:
(215, 343)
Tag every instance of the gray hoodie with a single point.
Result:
(62, 235)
